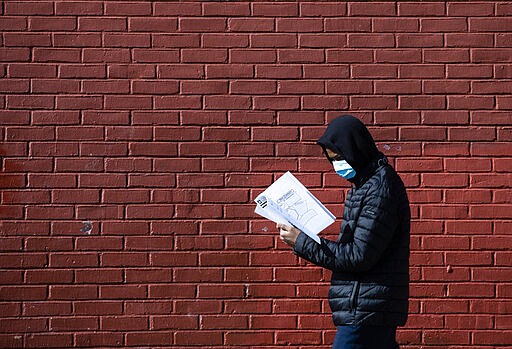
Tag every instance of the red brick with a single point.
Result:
(247, 306)
(10, 325)
(92, 243)
(304, 25)
(79, 102)
(468, 227)
(63, 196)
(11, 244)
(13, 23)
(101, 23)
(23, 293)
(62, 260)
(123, 292)
(46, 308)
(491, 306)
(172, 291)
(209, 55)
(244, 274)
(469, 259)
(250, 24)
(347, 24)
(12, 277)
(491, 149)
(98, 308)
(446, 337)
(125, 228)
(154, 24)
(25, 228)
(81, 71)
(131, 71)
(419, 40)
(468, 196)
(126, 323)
(268, 259)
(72, 292)
(185, 243)
(492, 337)
(198, 306)
(226, 9)
(79, 8)
(148, 307)
(265, 290)
(224, 322)
(128, 102)
(256, 338)
(99, 276)
(202, 275)
(482, 55)
(99, 339)
(121, 259)
(446, 149)
(175, 259)
(322, 9)
(77, 40)
(228, 258)
(151, 338)
(398, 56)
(110, 86)
(447, 307)
(272, 41)
(422, 165)
(202, 24)
(449, 243)
(29, 8)
(225, 291)
(202, 338)
(271, 10)
(61, 55)
(77, 323)
(472, 289)
(273, 322)
(290, 56)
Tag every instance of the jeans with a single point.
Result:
(365, 337)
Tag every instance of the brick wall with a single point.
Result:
(136, 134)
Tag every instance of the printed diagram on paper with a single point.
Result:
(287, 201)
(296, 206)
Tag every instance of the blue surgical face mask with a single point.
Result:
(344, 169)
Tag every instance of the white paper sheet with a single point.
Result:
(288, 201)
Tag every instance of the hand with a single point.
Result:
(288, 234)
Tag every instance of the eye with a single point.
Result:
(337, 157)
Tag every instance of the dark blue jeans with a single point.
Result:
(365, 337)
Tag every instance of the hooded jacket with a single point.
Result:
(370, 259)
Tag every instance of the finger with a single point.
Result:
(284, 227)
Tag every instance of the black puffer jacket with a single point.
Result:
(370, 260)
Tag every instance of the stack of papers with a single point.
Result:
(288, 201)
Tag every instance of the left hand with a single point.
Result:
(288, 234)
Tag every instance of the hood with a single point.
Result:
(347, 135)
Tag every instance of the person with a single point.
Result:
(369, 289)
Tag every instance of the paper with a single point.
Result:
(289, 202)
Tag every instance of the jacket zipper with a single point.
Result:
(354, 296)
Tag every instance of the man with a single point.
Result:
(369, 288)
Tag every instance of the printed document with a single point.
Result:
(287, 201)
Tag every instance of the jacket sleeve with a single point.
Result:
(372, 234)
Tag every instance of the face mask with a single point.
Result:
(344, 169)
